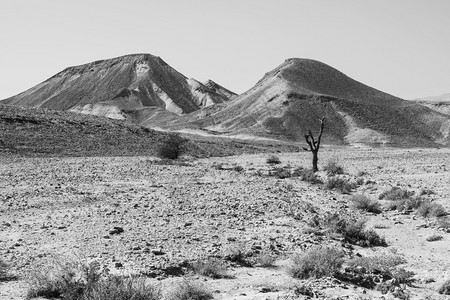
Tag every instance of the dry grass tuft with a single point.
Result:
(363, 202)
(210, 267)
(273, 160)
(316, 263)
(189, 290)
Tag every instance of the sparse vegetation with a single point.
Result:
(396, 193)
(210, 267)
(119, 288)
(340, 184)
(172, 147)
(333, 168)
(273, 160)
(265, 260)
(189, 290)
(316, 263)
(238, 168)
(445, 288)
(352, 231)
(431, 209)
(307, 175)
(382, 263)
(378, 272)
(3, 270)
(443, 222)
(426, 192)
(434, 238)
(363, 202)
(71, 280)
(281, 172)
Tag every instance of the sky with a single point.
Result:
(401, 47)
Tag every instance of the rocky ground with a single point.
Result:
(142, 216)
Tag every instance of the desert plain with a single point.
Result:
(143, 216)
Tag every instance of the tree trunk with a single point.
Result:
(315, 160)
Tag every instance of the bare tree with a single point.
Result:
(314, 145)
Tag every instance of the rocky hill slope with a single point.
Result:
(290, 99)
(43, 133)
(118, 87)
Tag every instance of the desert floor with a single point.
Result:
(68, 207)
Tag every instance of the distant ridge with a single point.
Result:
(438, 103)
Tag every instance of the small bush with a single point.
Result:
(306, 175)
(443, 222)
(189, 290)
(3, 270)
(238, 168)
(363, 202)
(280, 173)
(210, 267)
(333, 168)
(273, 160)
(316, 263)
(382, 263)
(431, 209)
(434, 238)
(406, 204)
(426, 192)
(396, 193)
(265, 260)
(118, 288)
(342, 185)
(172, 147)
(362, 173)
(63, 279)
(445, 288)
(353, 231)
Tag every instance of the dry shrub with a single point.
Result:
(4, 268)
(210, 267)
(431, 209)
(443, 222)
(363, 202)
(70, 280)
(119, 288)
(189, 290)
(281, 173)
(382, 263)
(306, 175)
(340, 184)
(172, 147)
(265, 260)
(434, 238)
(316, 263)
(273, 160)
(333, 168)
(445, 288)
(352, 230)
(405, 205)
(396, 193)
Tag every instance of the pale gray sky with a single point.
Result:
(398, 46)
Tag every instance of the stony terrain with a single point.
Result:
(209, 207)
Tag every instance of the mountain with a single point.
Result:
(118, 87)
(290, 99)
(438, 103)
(284, 104)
